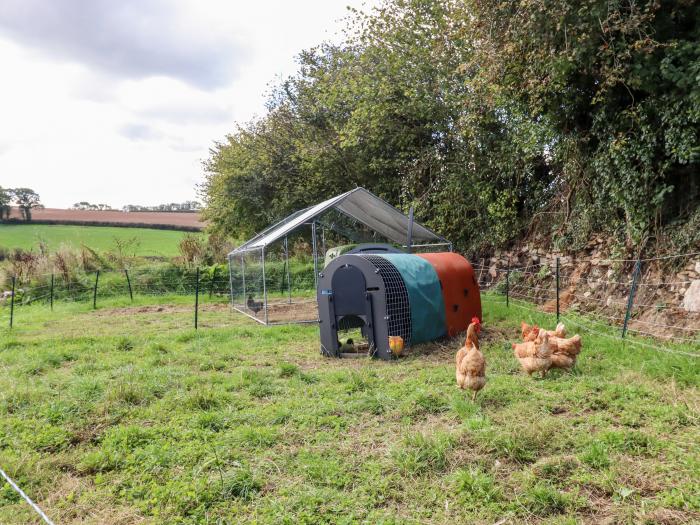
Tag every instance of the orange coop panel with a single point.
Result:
(460, 289)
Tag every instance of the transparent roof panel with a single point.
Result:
(361, 205)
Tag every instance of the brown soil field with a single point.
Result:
(186, 220)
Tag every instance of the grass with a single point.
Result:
(109, 417)
(151, 242)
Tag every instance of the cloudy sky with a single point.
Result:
(118, 102)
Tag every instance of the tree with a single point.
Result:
(5, 200)
(494, 119)
(26, 200)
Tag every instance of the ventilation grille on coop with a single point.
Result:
(398, 306)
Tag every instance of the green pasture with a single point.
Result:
(150, 242)
(125, 414)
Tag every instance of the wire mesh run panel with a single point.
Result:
(398, 308)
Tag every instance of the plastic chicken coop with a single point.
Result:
(418, 298)
(265, 287)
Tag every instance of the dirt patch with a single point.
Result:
(282, 311)
(160, 308)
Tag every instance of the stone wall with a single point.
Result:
(594, 281)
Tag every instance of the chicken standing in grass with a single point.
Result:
(564, 351)
(530, 332)
(469, 361)
(534, 356)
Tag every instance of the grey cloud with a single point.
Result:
(129, 38)
(140, 132)
(144, 133)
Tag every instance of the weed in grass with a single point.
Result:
(34, 369)
(280, 416)
(596, 455)
(186, 337)
(524, 443)
(423, 403)
(240, 483)
(50, 439)
(56, 359)
(324, 469)
(476, 487)
(258, 437)
(369, 404)
(288, 370)
(160, 348)
(463, 407)
(124, 344)
(419, 453)
(543, 500)
(9, 344)
(630, 442)
(204, 400)
(360, 381)
(211, 421)
(309, 378)
(130, 393)
(262, 390)
(15, 401)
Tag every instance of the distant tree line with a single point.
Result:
(495, 119)
(25, 199)
(187, 206)
(86, 206)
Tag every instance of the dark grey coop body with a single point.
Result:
(363, 291)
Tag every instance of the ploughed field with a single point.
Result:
(191, 220)
(127, 415)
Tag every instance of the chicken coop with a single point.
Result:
(418, 298)
(271, 283)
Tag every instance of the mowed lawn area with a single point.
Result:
(151, 242)
(126, 415)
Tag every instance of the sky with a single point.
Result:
(118, 102)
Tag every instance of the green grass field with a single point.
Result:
(151, 242)
(126, 415)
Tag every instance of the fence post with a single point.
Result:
(409, 240)
(12, 301)
(558, 313)
(51, 296)
(508, 285)
(286, 264)
(196, 300)
(94, 291)
(630, 299)
(128, 283)
(262, 257)
(313, 248)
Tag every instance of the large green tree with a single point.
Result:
(491, 118)
(26, 200)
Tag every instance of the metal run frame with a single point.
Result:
(241, 256)
(252, 278)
